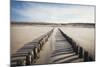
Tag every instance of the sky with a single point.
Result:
(22, 11)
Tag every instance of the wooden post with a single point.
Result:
(32, 53)
(80, 52)
(21, 62)
(76, 49)
(35, 53)
(47, 38)
(28, 59)
(86, 56)
(90, 59)
(74, 46)
(40, 44)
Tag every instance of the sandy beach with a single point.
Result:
(22, 34)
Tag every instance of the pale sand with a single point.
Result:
(48, 48)
(84, 37)
(21, 35)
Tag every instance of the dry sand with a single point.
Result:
(84, 37)
(48, 48)
(22, 34)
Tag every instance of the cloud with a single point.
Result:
(32, 11)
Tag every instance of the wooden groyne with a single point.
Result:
(65, 50)
(29, 53)
(80, 51)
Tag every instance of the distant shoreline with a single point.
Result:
(87, 25)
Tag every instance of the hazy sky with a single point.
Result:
(51, 12)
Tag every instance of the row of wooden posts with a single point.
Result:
(29, 53)
(82, 53)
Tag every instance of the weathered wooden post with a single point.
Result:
(28, 59)
(74, 46)
(35, 53)
(86, 56)
(18, 59)
(39, 46)
(46, 38)
(32, 56)
(76, 49)
(43, 40)
(80, 52)
(21, 62)
(41, 43)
